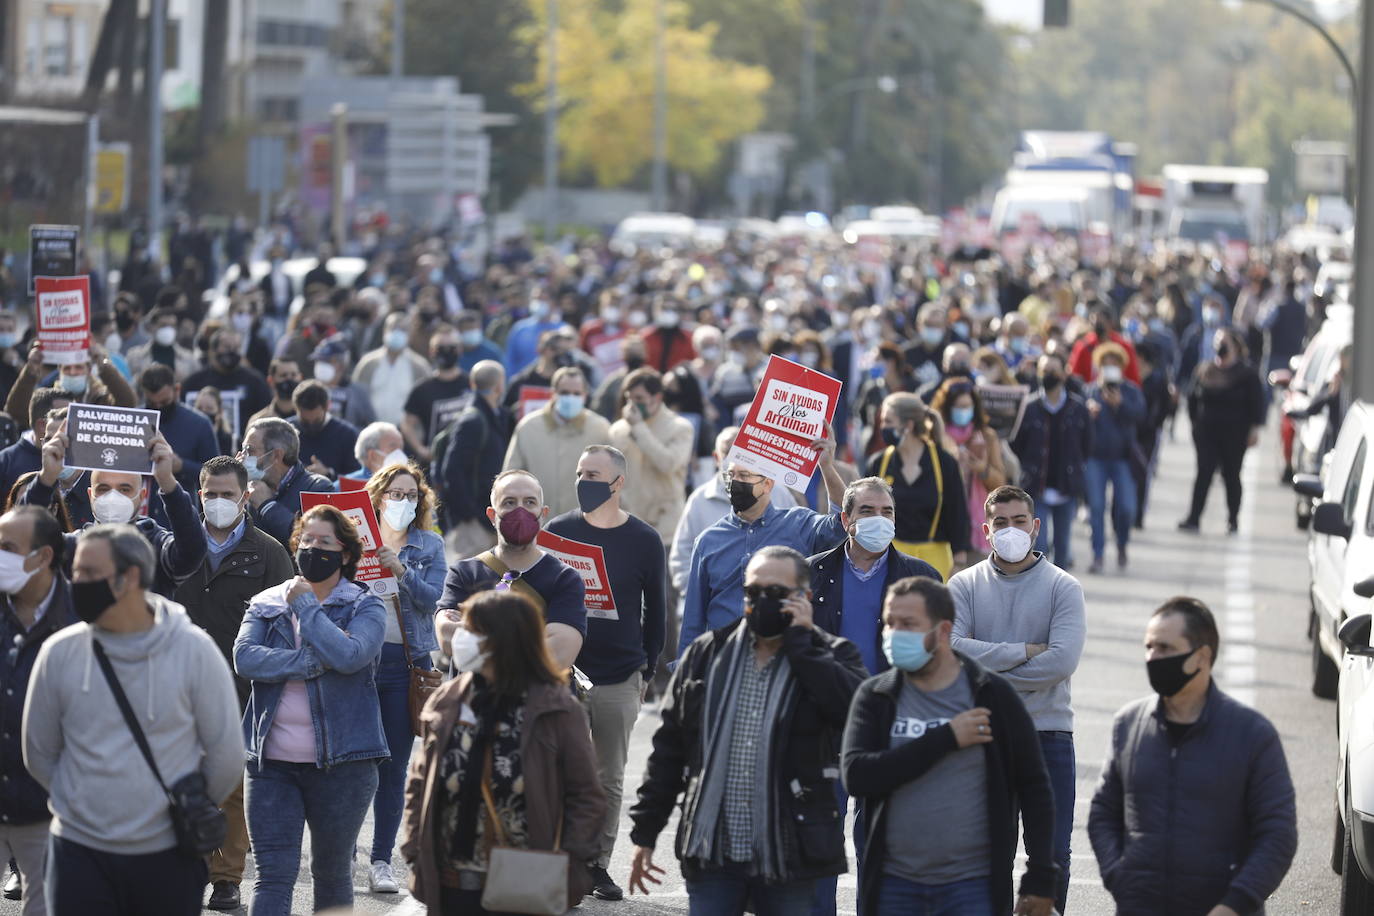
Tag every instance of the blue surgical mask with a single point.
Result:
(1019, 344)
(436, 276)
(396, 339)
(961, 329)
(961, 416)
(569, 405)
(8, 339)
(378, 279)
(539, 308)
(906, 650)
(76, 384)
(932, 336)
(874, 533)
(1211, 317)
(472, 338)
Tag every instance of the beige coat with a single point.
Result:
(658, 453)
(548, 448)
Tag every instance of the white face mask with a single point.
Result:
(325, 373)
(221, 513)
(113, 507)
(395, 456)
(398, 513)
(1011, 544)
(165, 336)
(466, 650)
(1111, 375)
(13, 576)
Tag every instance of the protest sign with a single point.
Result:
(589, 562)
(1004, 406)
(63, 305)
(52, 252)
(348, 484)
(230, 401)
(357, 505)
(110, 438)
(789, 412)
(533, 398)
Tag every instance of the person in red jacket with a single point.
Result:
(1081, 357)
(666, 344)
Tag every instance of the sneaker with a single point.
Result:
(1096, 567)
(1188, 524)
(224, 897)
(603, 888)
(1232, 527)
(12, 889)
(380, 880)
(1121, 558)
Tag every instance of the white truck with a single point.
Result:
(1214, 203)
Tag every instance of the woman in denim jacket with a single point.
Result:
(313, 729)
(405, 507)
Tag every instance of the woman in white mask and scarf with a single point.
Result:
(414, 553)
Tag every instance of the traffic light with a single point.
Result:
(1056, 14)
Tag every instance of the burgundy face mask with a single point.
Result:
(519, 526)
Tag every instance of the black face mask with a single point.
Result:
(764, 613)
(592, 494)
(891, 436)
(227, 361)
(1051, 381)
(92, 599)
(1167, 676)
(124, 321)
(742, 495)
(1223, 351)
(286, 388)
(318, 564)
(634, 361)
(563, 360)
(166, 410)
(446, 357)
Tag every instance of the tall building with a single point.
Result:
(45, 47)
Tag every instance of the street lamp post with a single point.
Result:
(660, 168)
(157, 35)
(551, 130)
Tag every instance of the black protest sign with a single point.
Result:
(1004, 405)
(52, 251)
(104, 438)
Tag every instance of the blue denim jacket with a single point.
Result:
(340, 642)
(420, 587)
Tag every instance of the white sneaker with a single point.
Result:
(380, 880)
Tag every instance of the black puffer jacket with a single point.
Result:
(1181, 828)
(1034, 439)
(805, 754)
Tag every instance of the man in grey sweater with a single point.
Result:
(112, 833)
(1022, 616)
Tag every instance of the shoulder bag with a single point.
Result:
(423, 681)
(199, 823)
(528, 881)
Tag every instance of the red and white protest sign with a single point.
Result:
(64, 318)
(357, 505)
(790, 411)
(589, 562)
(350, 484)
(1236, 254)
(533, 398)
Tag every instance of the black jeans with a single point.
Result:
(1224, 450)
(82, 881)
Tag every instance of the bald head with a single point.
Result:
(488, 375)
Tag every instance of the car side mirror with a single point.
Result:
(1280, 378)
(1354, 635)
(1329, 519)
(1365, 589)
(1308, 485)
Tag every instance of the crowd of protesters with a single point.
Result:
(897, 636)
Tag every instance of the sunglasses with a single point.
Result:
(773, 592)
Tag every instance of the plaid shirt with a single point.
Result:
(751, 718)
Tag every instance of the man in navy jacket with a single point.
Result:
(271, 454)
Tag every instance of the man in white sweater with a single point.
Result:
(1020, 615)
(112, 834)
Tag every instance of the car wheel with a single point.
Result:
(1325, 675)
(1357, 894)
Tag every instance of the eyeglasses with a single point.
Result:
(742, 477)
(753, 593)
(412, 496)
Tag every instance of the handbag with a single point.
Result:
(199, 823)
(528, 881)
(423, 682)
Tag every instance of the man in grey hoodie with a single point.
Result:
(1021, 616)
(112, 833)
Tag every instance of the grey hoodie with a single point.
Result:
(77, 745)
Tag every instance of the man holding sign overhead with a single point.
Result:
(624, 571)
(784, 437)
(119, 446)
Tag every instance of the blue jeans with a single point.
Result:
(1062, 517)
(1097, 473)
(393, 695)
(281, 798)
(1057, 748)
(724, 892)
(970, 897)
(824, 902)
